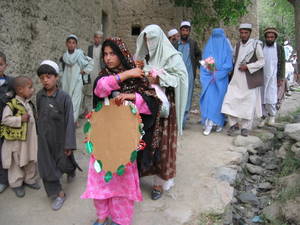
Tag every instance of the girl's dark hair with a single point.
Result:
(117, 51)
(46, 69)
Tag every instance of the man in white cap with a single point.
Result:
(173, 36)
(94, 52)
(191, 55)
(242, 101)
(273, 75)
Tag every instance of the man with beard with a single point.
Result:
(173, 36)
(191, 55)
(273, 75)
(242, 102)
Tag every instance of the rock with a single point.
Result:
(254, 159)
(265, 186)
(271, 166)
(290, 181)
(248, 197)
(226, 174)
(272, 212)
(290, 211)
(263, 134)
(254, 169)
(227, 216)
(281, 153)
(238, 149)
(293, 131)
(296, 149)
(253, 141)
(251, 150)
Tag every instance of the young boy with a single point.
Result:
(6, 93)
(75, 65)
(19, 150)
(56, 129)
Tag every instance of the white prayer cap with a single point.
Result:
(98, 32)
(246, 26)
(52, 64)
(185, 23)
(72, 36)
(286, 42)
(172, 32)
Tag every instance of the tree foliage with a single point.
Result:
(213, 13)
(279, 14)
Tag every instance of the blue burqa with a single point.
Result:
(214, 86)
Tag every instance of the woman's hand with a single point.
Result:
(122, 97)
(133, 73)
(153, 80)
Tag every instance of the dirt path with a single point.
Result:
(196, 189)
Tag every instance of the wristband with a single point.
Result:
(118, 79)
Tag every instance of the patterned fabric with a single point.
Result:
(119, 209)
(165, 167)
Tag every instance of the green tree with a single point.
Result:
(279, 14)
(296, 5)
(213, 13)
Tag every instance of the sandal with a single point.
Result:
(156, 194)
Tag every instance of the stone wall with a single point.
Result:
(33, 30)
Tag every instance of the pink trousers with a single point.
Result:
(119, 209)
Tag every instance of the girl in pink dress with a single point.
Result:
(122, 81)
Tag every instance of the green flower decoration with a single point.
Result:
(89, 147)
(133, 156)
(87, 127)
(98, 166)
(99, 107)
(121, 170)
(108, 176)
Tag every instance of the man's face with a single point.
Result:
(174, 38)
(185, 33)
(270, 39)
(97, 39)
(245, 35)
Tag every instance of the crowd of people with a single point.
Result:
(240, 84)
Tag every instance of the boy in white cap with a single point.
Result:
(191, 55)
(75, 66)
(242, 101)
(173, 35)
(56, 129)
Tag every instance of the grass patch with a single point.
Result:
(210, 219)
(290, 164)
(290, 117)
(288, 194)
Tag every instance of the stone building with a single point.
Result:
(33, 30)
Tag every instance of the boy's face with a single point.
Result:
(26, 91)
(71, 44)
(3, 66)
(49, 81)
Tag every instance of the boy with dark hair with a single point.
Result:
(6, 93)
(19, 150)
(56, 131)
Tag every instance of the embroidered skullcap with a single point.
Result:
(73, 36)
(52, 64)
(271, 30)
(99, 32)
(185, 23)
(245, 26)
(172, 32)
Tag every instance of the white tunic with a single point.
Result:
(240, 101)
(269, 90)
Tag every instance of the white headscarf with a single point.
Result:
(164, 56)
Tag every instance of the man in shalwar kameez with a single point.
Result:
(75, 64)
(273, 75)
(242, 102)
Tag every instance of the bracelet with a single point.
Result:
(118, 79)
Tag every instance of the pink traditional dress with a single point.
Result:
(116, 198)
